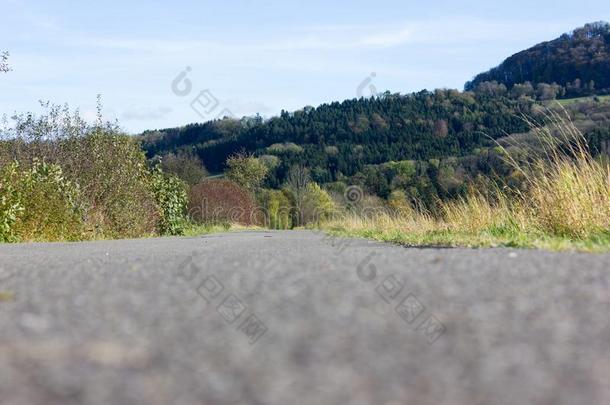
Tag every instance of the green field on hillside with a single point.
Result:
(570, 101)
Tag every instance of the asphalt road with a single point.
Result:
(299, 318)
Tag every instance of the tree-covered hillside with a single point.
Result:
(578, 61)
(429, 146)
(339, 139)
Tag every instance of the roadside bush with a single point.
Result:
(10, 202)
(115, 180)
(277, 209)
(222, 201)
(317, 204)
(39, 204)
(109, 168)
(172, 198)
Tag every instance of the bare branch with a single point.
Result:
(4, 67)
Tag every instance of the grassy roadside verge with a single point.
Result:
(565, 204)
(193, 230)
(599, 243)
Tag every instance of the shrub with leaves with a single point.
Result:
(109, 166)
(10, 202)
(246, 170)
(172, 199)
(115, 179)
(185, 165)
(39, 203)
(317, 204)
(222, 201)
(277, 209)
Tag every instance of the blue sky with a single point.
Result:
(259, 56)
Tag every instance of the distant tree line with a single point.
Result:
(339, 139)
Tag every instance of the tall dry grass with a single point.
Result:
(570, 198)
(385, 224)
(568, 190)
(477, 212)
(566, 195)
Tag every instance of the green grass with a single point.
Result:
(193, 229)
(569, 101)
(492, 238)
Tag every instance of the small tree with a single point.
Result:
(172, 198)
(441, 129)
(297, 181)
(524, 89)
(317, 204)
(277, 209)
(246, 170)
(185, 165)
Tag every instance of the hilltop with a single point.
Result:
(578, 61)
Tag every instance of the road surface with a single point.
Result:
(300, 318)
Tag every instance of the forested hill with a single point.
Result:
(578, 61)
(430, 143)
(341, 138)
